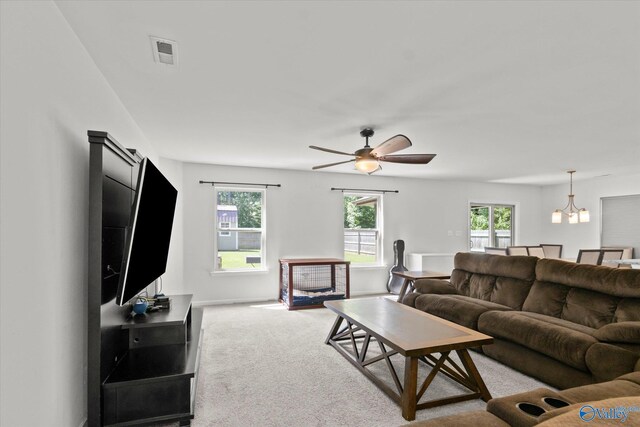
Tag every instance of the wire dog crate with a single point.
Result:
(307, 283)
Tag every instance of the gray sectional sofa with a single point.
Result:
(566, 324)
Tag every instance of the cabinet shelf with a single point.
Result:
(158, 362)
(156, 381)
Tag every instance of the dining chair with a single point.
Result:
(517, 250)
(627, 252)
(495, 251)
(589, 256)
(536, 251)
(611, 255)
(551, 250)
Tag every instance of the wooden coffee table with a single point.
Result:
(415, 335)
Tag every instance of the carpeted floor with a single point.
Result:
(262, 365)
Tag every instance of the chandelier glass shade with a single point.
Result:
(571, 211)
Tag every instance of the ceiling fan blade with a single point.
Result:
(391, 145)
(332, 164)
(416, 159)
(328, 150)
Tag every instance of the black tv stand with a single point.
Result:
(155, 380)
(140, 369)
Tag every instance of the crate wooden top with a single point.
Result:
(312, 261)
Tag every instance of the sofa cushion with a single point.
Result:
(561, 322)
(456, 308)
(522, 268)
(556, 341)
(510, 292)
(628, 310)
(589, 308)
(460, 280)
(495, 278)
(546, 298)
(410, 299)
(627, 385)
(633, 377)
(434, 286)
(618, 282)
(624, 332)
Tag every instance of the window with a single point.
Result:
(490, 225)
(362, 228)
(619, 223)
(224, 225)
(240, 233)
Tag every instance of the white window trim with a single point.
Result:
(379, 262)
(263, 234)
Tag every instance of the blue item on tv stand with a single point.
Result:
(140, 307)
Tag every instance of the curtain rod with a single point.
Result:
(240, 183)
(362, 189)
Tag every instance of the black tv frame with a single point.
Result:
(149, 181)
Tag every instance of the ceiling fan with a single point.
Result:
(368, 159)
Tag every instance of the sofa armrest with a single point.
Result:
(621, 332)
(608, 361)
(434, 286)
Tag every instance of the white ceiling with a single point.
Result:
(514, 92)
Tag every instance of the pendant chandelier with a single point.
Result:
(573, 213)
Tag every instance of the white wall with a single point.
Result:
(587, 195)
(304, 219)
(52, 93)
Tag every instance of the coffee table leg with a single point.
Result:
(334, 329)
(465, 357)
(409, 389)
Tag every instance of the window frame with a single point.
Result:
(262, 230)
(379, 261)
(492, 206)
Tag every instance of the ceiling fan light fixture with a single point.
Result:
(368, 160)
(367, 165)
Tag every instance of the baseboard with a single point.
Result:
(272, 300)
(369, 293)
(231, 301)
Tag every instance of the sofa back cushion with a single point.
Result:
(585, 294)
(619, 282)
(496, 278)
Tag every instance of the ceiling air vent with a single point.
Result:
(164, 51)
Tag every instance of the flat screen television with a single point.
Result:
(149, 232)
